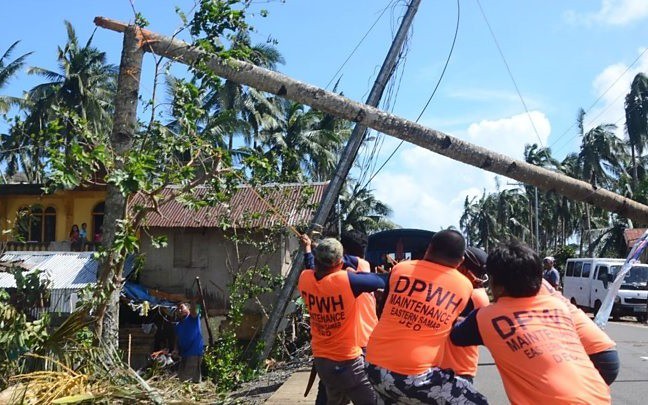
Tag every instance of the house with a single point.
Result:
(200, 242)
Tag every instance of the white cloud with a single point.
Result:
(612, 12)
(611, 85)
(427, 190)
(509, 135)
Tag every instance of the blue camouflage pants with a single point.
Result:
(435, 386)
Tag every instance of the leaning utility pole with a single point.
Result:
(339, 177)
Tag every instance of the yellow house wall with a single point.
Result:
(72, 207)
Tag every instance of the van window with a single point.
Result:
(586, 270)
(602, 273)
(570, 269)
(577, 269)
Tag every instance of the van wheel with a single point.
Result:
(597, 306)
(616, 316)
(641, 318)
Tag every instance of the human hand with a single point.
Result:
(306, 242)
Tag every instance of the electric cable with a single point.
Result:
(436, 87)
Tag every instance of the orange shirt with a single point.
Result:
(463, 360)
(538, 353)
(332, 310)
(424, 300)
(593, 338)
(366, 304)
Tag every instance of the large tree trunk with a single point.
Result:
(121, 140)
(436, 141)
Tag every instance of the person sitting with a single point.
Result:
(531, 336)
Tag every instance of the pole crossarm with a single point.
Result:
(431, 139)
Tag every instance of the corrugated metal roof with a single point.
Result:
(295, 202)
(64, 270)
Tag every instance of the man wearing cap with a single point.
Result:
(463, 360)
(424, 299)
(550, 273)
(330, 295)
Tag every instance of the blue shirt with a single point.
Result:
(189, 335)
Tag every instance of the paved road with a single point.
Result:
(631, 386)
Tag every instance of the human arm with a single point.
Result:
(607, 363)
(466, 333)
(309, 258)
(193, 308)
(366, 282)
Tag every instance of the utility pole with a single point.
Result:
(341, 172)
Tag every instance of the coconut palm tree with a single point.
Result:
(304, 143)
(361, 211)
(8, 68)
(84, 84)
(636, 112)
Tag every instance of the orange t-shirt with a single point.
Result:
(424, 300)
(463, 360)
(366, 304)
(332, 309)
(537, 351)
(593, 338)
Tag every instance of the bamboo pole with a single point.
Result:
(431, 139)
(204, 307)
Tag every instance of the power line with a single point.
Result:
(388, 103)
(358, 44)
(510, 73)
(634, 62)
(436, 87)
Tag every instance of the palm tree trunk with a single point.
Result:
(121, 140)
(634, 170)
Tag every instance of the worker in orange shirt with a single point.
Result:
(353, 245)
(423, 300)
(463, 360)
(597, 344)
(330, 294)
(531, 336)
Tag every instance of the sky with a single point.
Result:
(562, 55)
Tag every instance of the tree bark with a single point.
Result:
(436, 141)
(121, 140)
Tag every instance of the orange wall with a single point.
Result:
(72, 207)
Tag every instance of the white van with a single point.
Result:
(586, 282)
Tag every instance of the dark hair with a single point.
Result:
(515, 267)
(354, 243)
(446, 247)
(475, 261)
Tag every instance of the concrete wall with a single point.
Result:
(208, 254)
(72, 207)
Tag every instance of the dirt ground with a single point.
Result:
(259, 390)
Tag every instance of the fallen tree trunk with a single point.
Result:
(436, 141)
